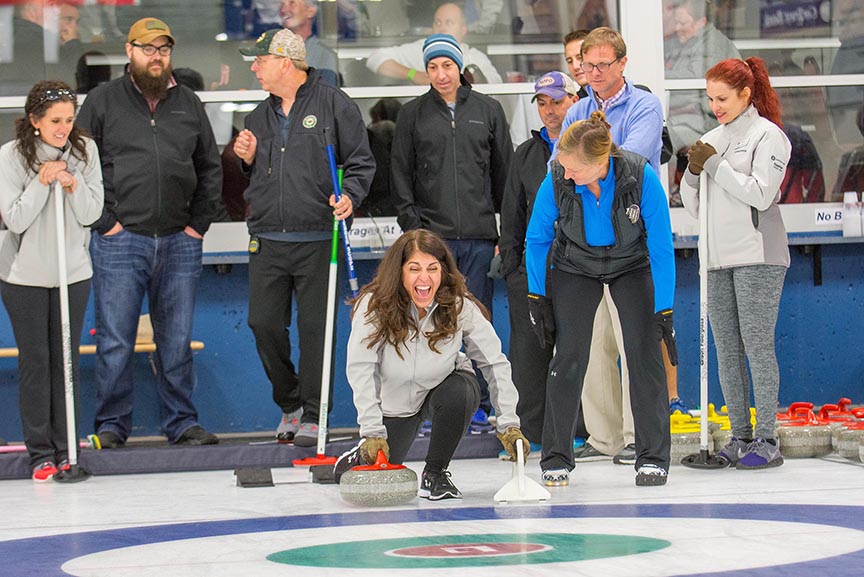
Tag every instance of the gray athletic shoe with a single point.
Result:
(626, 456)
(761, 455)
(288, 426)
(307, 435)
(733, 451)
(587, 453)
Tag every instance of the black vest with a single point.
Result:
(572, 253)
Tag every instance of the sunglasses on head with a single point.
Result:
(52, 95)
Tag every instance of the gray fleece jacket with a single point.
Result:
(28, 255)
(386, 385)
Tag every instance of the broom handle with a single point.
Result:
(337, 192)
(66, 331)
(703, 309)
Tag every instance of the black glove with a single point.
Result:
(542, 319)
(663, 330)
(698, 154)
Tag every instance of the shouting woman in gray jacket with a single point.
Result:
(47, 149)
(406, 361)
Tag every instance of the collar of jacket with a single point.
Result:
(311, 80)
(462, 92)
(744, 121)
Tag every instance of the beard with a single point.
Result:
(152, 87)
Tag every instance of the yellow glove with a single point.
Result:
(509, 438)
(370, 447)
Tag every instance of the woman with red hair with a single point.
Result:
(745, 159)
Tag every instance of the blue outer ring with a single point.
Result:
(45, 556)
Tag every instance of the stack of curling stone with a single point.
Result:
(850, 441)
(685, 432)
(792, 413)
(721, 428)
(379, 484)
(804, 436)
(837, 416)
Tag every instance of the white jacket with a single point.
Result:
(28, 255)
(745, 226)
(385, 385)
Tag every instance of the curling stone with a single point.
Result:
(804, 437)
(379, 484)
(685, 431)
(791, 414)
(861, 452)
(837, 417)
(849, 441)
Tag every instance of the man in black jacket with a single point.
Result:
(292, 206)
(449, 160)
(554, 93)
(163, 182)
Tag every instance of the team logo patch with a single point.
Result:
(310, 121)
(633, 213)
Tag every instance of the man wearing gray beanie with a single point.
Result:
(449, 165)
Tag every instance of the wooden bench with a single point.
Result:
(10, 352)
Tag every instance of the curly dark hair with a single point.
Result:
(43, 96)
(390, 304)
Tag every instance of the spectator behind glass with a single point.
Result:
(146, 247)
(698, 47)
(845, 100)
(381, 131)
(850, 175)
(88, 75)
(47, 149)
(299, 17)
(405, 62)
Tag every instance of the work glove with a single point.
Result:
(370, 447)
(698, 154)
(542, 319)
(509, 438)
(663, 330)
(495, 267)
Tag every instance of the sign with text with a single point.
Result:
(781, 18)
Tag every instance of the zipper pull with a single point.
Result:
(152, 122)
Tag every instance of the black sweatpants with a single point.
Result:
(449, 406)
(34, 313)
(575, 299)
(278, 272)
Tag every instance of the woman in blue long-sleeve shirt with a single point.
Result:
(603, 213)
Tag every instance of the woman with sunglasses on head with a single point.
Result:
(48, 154)
(745, 159)
(600, 227)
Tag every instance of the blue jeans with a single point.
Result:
(167, 269)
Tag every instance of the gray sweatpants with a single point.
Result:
(742, 308)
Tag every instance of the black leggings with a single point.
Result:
(34, 313)
(450, 406)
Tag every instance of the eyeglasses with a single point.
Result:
(602, 66)
(259, 60)
(52, 95)
(150, 50)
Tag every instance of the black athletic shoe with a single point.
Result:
(347, 461)
(196, 435)
(437, 485)
(650, 475)
(110, 440)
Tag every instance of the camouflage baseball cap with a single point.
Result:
(278, 41)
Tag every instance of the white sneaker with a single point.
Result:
(556, 477)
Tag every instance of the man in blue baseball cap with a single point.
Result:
(554, 93)
(449, 165)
